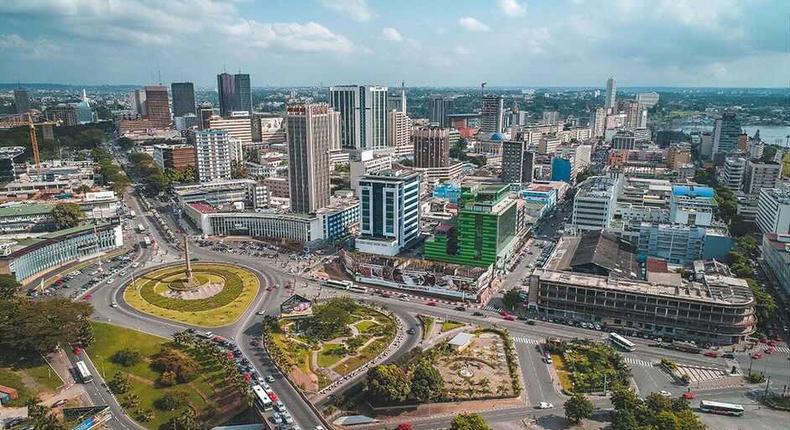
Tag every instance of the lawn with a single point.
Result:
(216, 317)
(427, 325)
(329, 355)
(109, 339)
(562, 372)
(365, 326)
(29, 377)
(451, 325)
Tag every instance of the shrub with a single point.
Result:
(126, 357)
(167, 379)
(170, 402)
(172, 360)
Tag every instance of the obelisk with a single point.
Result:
(188, 263)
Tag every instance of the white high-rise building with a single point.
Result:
(773, 210)
(363, 115)
(611, 95)
(399, 133)
(648, 100)
(213, 155)
(598, 122)
(238, 125)
(595, 203)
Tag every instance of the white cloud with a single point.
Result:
(513, 7)
(358, 10)
(472, 24)
(309, 37)
(391, 34)
(39, 49)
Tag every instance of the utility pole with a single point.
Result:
(604, 384)
(767, 385)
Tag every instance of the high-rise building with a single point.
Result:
(773, 210)
(760, 175)
(212, 155)
(175, 157)
(678, 155)
(439, 109)
(205, 112)
(517, 162)
(731, 176)
(137, 99)
(598, 122)
(647, 100)
(183, 98)
(397, 101)
(595, 203)
(492, 114)
(632, 114)
(363, 115)
(550, 117)
(431, 147)
(623, 140)
(726, 133)
(66, 114)
(389, 211)
(611, 95)
(157, 106)
(310, 133)
(399, 133)
(243, 95)
(21, 100)
(237, 124)
(226, 92)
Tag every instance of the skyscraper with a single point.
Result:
(183, 98)
(389, 211)
(137, 99)
(492, 114)
(431, 147)
(440, 107)
(633, 115)
(212, 155)
(726, 133)
(157, 105)
(363, 115)
(397, 101)
(226, 93)
(310, 135)
(598, 122)
(399, 133)
(21, 100)
(611, 95)
(243, 95)
(517, 162)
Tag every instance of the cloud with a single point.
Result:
(38, 49)
(308, 37)
(472, 24)
(461, 50)
(357, 10)
(391, 34)
(513, 8)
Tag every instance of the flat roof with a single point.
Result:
(26, 210)
(461, 339)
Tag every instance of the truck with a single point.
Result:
(140, 228)
(146, 241)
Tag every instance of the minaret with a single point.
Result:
(403, 97)
(186, 257)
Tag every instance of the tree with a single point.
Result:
(238, 170)
(120, 384)
(41, 417)
(511, 298)
(427, 383)
(577, 408)
(126, 357)
(172, 360)
(82, 189)
(765, 303)
(185, 421)
(388, 383)
(469, 422)
(624, 419)
(9, 287)
(68, 215)
(666, 420)
(171, 401)
(167, 378)
(38, 327)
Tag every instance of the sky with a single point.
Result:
(422, 42)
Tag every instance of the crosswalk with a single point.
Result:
(638, 362)
(526, 340)
(491, 308)
(784, 349)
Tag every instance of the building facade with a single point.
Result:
(773, 210)
(399, 133)
(759, 175)
(595, 203)
(389, 212)
(517, 163)
(212, 155)
(157, 105)
(183, 98)
(492, 114)
(310, 136)
(363, 115)
(236, 124)
(431, 147)
(176, 157)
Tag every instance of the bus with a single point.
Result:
(261, 398)
(621, 342)
(140, 228)
(721, 408)
(146, 241)
(84, 374)
(340, 285)
(358, 288)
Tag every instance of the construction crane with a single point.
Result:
(34, 142)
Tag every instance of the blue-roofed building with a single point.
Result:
(497, 137)
(692, 205)
(562, 170)
(449, 191)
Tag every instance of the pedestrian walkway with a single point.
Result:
(528, 341)
(638, 362)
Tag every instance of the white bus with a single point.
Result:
(261, 398)
(621, 342)
(140, 228)
(720, 408)
(340, 285)
(358, 288)
(84, 374)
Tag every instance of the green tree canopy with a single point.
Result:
(469, 422)
(9, 287)
(577, 408)
(68, 215)
(38, 327)
(511, 298)
(427, 383)
(388, 383)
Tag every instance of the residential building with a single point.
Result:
(632, 114)
(548, 144)
(595, 203)
(773, 210)
(157, 105)
(21, 100)
(647, 100)
(212, 154)
(598, 122)
(517, 163)
(237, 124)
(431, 147)
(399, 133)
(726, 133)
(759, 175)
(175, 157)
(483, 234)
(550, 117)
(611, 95)
(492, 114)
(310, 133)
(439, 109)
(183, 98)
(363, 115)
(389, 211)
(732, 173)
(278, 186)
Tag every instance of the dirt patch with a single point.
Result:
(308, 383)
(480, 370)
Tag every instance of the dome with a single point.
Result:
(497, 137)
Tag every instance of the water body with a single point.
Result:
(771, 134)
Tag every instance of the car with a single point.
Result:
(545, 405)
(477, 314)
(277, 418)
(729, 355)
(770, 350)
(114, 304)
(431, 303)
(509, 318)
(405, 299)
(531, 321)
(665, 393)
(713, 354)
(410, 331)
(269, 378)
(689, 395)
(547, 358)
(260, 312)
(279, 406)
(460, 308)
(757, 355)
(110, 281)
(59, 403)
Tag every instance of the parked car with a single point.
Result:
(713, 354)
(545, 405)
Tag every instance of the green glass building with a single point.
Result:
(484, 229)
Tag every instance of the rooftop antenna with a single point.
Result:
(159, 73)
(483, 89)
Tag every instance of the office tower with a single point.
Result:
(398, 101)
(517, 163)
(183, 98)
(226, 93)
(595, 203)
(205, 112)
(243, 94)
(212, 155)
(611, 95)
(431, 147)
(760, 175)
(137, 98)
(399, 133)
(363, 115)
(157, 104)
(632, 114)
(175, 157)
(21, 100)
(440, 107)
(550, 117)
(647, 100)
(678, 155)
(389, 211)
(598, 122)
(731, 176)
(726, 133)
(492, 114)
(562, 168)
(237, 124)
(773, 210)
(642, 117)
(309, 133)
(65, 114)
(624, 140)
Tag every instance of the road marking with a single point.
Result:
(491, 308)
(638, 362)
(526, 340)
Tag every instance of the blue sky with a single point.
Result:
(428, 42)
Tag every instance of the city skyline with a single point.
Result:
(321, 43)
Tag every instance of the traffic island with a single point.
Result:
(211, 295)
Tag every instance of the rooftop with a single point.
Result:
(25, 210)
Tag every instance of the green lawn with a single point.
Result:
(327, 357)
(450, 325)
(109, 339)
(40, 377)
(11, 379)
(365, 326)
(427, 325)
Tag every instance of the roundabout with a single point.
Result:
(209, 295)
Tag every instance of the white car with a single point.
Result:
(545, 405)
(114, 304)
(665, 393)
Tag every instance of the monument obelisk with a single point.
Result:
(188, 263)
